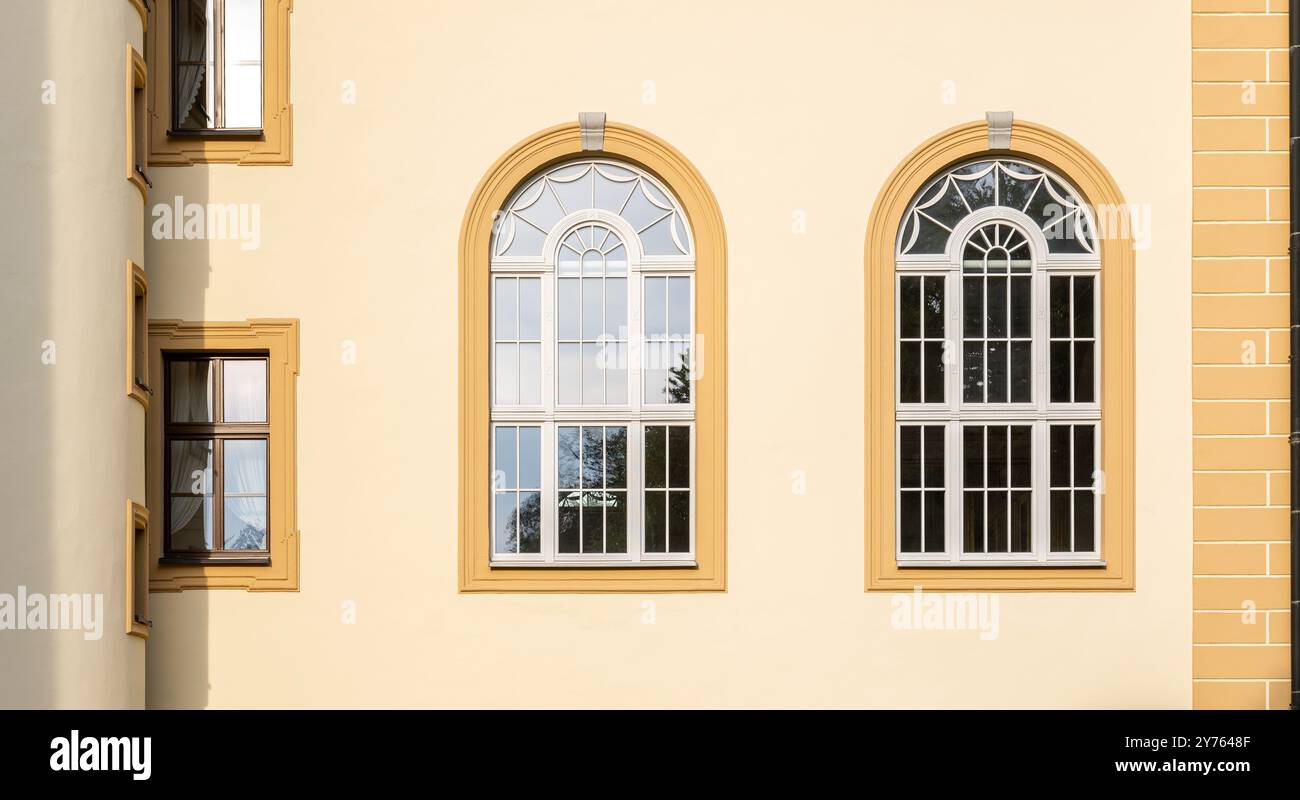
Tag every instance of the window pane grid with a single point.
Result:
(1023, 317)
(615, 363)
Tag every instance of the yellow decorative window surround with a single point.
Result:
(641, 151)
(1115, 570)
(137, 126)
(271, 145)
(137, 339)
(137, 570)
(275, 569)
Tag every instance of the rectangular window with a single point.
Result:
(216, 65)
(215, 457)
(921, 339)
(1073, 341)
(667, 491)
(667, 357)
(137, 334)
(518, 341)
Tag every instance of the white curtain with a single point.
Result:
(245, 475)
(191, 392)
(192, 26)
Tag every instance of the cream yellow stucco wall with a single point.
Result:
(72, 448)
(786, 110)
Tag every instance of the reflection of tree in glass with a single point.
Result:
(525, 528)
(588, 463)
(679, 381)
(249, 538)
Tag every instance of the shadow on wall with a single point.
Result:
(179, 264)
(27, 311)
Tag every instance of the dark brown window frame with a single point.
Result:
(218, 432)
(217, 131)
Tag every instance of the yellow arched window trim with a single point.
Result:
(1067, 157)
(547, 147)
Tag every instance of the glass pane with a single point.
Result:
(997, 455)
(679, 457)
(616, 457)
(998, 376)
(973, 372)
(934, 527)
(1022, 310)
(530, 374)
(505, 464)
(657, 356)
(1059, 304)
(616, 308)
(679, 306)
(243, 52)
(679, 522)
(593, 308)
(507, 309)
(933, 377)
(973, 522)
(932, 309)
(656, 319)
(909, 307)
(1021, 455)
(593, 523)
(909, 372)
(1083, 455)
(909, 456)
(998, 541)
(656, 456)
(933, 456)
(530, 308)
(1083, 307)
(568, 378)
(996, 301)
(245, 466)
(568, 455)
(593, 457)
(1084, 524)
(1060, 372)
(507, 374)
(1021, 372)
(973, 456)
(244, 392)
(1059, 455)
(1083, 374)
(593, 377)
(973, 307)
(909, 516)
(530, 522)
(615, 358)
(616, 522)
(568, 519)
(191, 523)
(191, 391)
(567, 327)
(1022, 507)
(656, 539)
(530, 458)
(191, 90)
(1059, 521)
(191, 466)
(679, 373)
(245, 523)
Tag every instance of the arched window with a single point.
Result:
(592, 415)
(998, 370)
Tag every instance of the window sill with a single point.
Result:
(592, 564)
(205, 561)
(1001, 564)
(217, 133)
